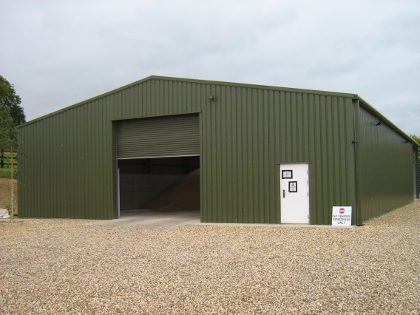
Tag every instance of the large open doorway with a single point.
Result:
(162, 185)
(158, 163)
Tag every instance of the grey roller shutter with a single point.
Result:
(158, 137)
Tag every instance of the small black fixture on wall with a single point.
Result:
(212, 97)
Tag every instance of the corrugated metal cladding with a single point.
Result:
(248, 132)
(67, 159)
(386, 167)
(161, 136)
(416, 154)
(418, 178)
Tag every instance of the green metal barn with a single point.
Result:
(265, 154)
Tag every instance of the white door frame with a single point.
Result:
(294, 193)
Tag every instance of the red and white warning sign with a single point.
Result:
(341, 216)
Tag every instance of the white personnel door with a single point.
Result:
(294, 193)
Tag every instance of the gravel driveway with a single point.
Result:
(75, 266)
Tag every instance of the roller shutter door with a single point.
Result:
(158, 137)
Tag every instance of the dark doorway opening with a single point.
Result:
(159, 184)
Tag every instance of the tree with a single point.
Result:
(7, 131)
(11, 113)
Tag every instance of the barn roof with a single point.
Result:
(356, 97)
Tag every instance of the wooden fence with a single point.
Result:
(6, 159)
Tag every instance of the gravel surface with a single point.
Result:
(75, 266)
(5, 193)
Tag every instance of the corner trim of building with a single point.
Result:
(355, 142)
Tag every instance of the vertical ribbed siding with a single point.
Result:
(418, 171)
(240, 157)
(67, 159)
(65, 163)
(246, 133)
(386, 167)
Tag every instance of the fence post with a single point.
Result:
(2, 158)
(11, 185)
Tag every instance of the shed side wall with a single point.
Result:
(386, 167)
(417, 157)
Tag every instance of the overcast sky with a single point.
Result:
(57, 53)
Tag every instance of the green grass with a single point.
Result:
(5, 172)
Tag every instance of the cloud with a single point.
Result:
(61, 52)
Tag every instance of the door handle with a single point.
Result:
(284, 193)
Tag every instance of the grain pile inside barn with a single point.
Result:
(184, 194)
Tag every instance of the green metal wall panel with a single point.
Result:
(68, 158)
(249, 132)
(65, 165)
(418, 175)
(416, 154)
(386, 167)
(158, 137)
